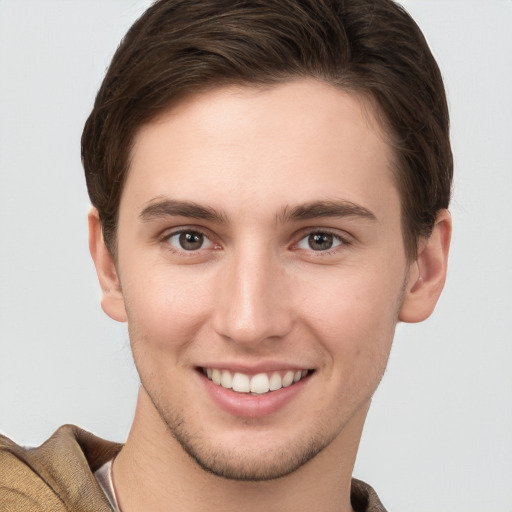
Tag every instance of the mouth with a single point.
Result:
(258, 384)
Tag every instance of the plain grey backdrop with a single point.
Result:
(439, 434)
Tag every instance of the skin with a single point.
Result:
(257, 292)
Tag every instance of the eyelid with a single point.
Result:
(343, 237)
(337, 241)
(169, 233)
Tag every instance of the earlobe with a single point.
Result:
(112, 301)
(427, 274)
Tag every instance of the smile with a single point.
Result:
(259, 384)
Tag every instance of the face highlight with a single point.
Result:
(262, 268)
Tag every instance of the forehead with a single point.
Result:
(247, 147)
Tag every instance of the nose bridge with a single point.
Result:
(253, 304)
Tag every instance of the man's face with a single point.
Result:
(259, 242)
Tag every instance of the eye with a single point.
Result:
(320, 241)
(189, 241)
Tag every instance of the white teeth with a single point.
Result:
(259, 384)
(288, 379)
(275, 382)
(226, 379)
(241, 383)
(216, 375)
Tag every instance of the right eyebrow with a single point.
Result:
(172, 208)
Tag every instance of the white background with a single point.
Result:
(439, 435)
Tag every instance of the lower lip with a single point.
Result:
(246, 405)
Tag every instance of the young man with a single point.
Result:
(269, 184)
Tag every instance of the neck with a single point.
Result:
(153, 472)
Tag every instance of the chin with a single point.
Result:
(237, 460)
(248, 466)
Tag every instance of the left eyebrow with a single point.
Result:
(318, 209)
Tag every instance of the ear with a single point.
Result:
(112, 301)
(427, 274)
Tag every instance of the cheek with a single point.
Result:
(355, 313)
(359, 334)
(165, 311)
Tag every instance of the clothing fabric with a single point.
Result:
(104, 478)
(58, 476)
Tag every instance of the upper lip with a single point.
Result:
(253, 369)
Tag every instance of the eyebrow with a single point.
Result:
(318, 209)
(313, 210)
(172, 207)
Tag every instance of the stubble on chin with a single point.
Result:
(244, 464)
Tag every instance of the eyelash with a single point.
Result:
(165, 239)
(182, 231)
(342, 241)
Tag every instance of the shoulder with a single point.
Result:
(20, 487)
(364, 498)
(56, 476)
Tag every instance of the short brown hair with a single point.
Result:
(181, 47)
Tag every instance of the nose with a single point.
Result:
(254, 304)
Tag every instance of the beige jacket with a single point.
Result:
(58, 475)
